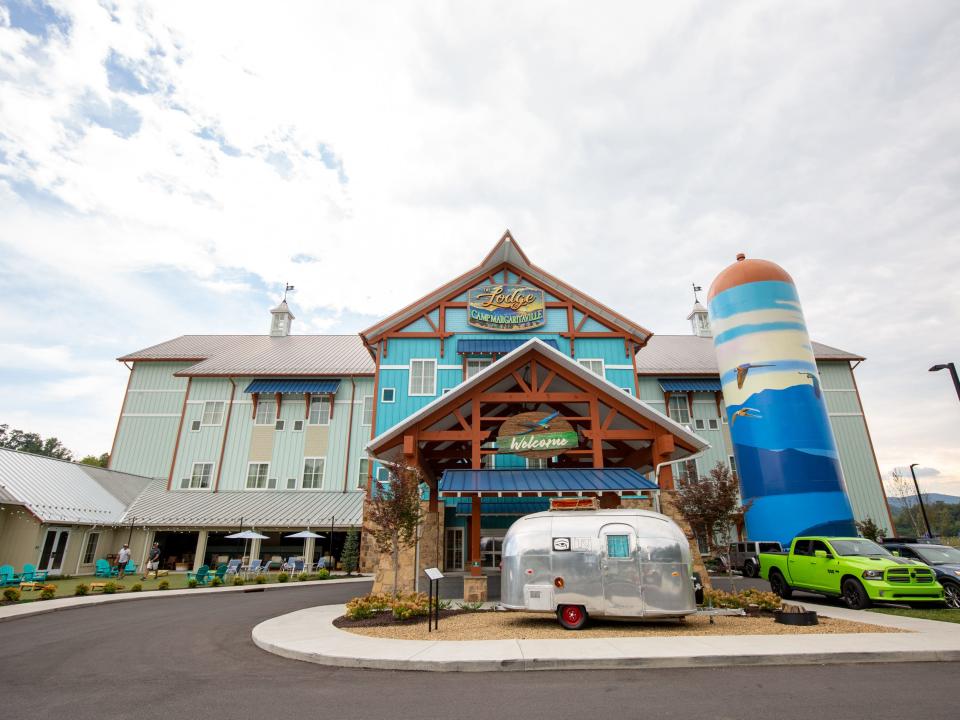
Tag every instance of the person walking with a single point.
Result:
(123, 557)
(153, 562)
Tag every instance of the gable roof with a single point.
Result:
(694, 355)
(505, 252)
(537, 345)
(235, 355)
(62, 491)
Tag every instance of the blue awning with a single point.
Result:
(548, 481)
(318, 387)
(690, 384)
(504, 506)
(495, 346)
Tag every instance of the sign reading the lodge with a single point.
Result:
(536, 435)
(506, 308)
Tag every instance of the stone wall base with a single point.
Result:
(381, 564)
(474, 588)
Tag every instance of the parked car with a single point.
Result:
(743, 555)
(855, 569)
(944, 560)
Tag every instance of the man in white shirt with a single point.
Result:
(123, 557)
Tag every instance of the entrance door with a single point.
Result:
(54, 548)
(491, 549)
(620, 570)
(453, 555)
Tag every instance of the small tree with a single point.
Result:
(350, 557)
(395, 513)
(869, 529)
(903, 489)
(712, 505)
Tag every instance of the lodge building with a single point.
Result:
(506, 387)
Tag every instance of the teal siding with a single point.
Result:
(860, 470)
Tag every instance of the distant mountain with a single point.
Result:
(930, 498)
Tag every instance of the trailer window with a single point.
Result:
(618, 546)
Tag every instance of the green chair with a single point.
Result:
(8, 576)
(31, 574)
(104, 569)
(130, 568)
(221, 572)
(202, 575)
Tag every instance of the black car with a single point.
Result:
(944, 560)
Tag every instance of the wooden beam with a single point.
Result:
(523, 386)
(506, 397)
(620, 434)
(476, 459)
(596, 444)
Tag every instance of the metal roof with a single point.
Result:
(58, 491)
(691, 385)
(272, 385)
(494, 346)
(550, 481)
(693, 355)
(293, 355)
(504, 506)
(157, 507)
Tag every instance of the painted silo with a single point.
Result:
(786, 454)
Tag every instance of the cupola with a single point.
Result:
(281, 317)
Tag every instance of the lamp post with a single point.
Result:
(130, 534)
(920, 500)
(953, 373)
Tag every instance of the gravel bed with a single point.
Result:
(531, 626)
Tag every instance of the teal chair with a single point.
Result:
(130, 568)
(221, 572)
(8, 576)
(31, 574)
(104, 569)
(202, 576)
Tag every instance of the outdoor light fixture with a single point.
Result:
(920, 500)
(953, 373)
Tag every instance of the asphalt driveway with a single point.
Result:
(191, 656)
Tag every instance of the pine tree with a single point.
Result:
(350, 556)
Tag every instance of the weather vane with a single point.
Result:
(696, 289)
(287, 287)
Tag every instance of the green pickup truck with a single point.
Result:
(857, 570)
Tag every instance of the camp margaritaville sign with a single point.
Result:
(536, 435)
(507, 308)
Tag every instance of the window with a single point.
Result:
(723, 414)
(364, 473)
(713, 424)
(475, 365)
(628, 391)
(679, 410)
(618, 546)
(699, 424)
(257, 476)
(593, 365)
(802, 547)
(702, 545)
(733, 463)
(280, 424)
(194, 426)
(366, 419)
(212, 412)
(423, 377)
(686, 471)
(199, 478)
(90, 548)
(291, 483)
(388, 395)
(820, 545)
(298, 425)
(383, 475)
(537, 463)
(312, 473)
(266, 412)
(319, 411)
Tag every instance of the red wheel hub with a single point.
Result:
(572, 614)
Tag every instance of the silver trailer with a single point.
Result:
(611, 563)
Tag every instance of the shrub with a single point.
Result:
(261, 580)
(136, 587)
(471, 606)
(81, 589)
(282, 577)
(238, 580)
(192, 583)
(360, 608)
(742, 599)
(303, 576)
(110, 588)
(48, 593)
(164, 585)
(216, 582)
(405, 607)
(322, 574)
(13, 595)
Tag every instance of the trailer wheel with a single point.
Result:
(572, 617)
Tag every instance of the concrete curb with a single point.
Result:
(309, 635)
(41, 607)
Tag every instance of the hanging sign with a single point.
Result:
(536, 435)
(506, 308)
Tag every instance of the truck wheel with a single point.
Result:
(750, 569)
(572, 617)
(854, 596)
(778, 585)
(951, 594)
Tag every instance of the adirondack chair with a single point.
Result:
(8, 576)
(31, 574)
(221, 572)
(104, 569)
(130, 568)
(201, 576)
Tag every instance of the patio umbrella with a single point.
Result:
(247, 535)
(304, 534)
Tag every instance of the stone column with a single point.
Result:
(668, 507)
(201, 550)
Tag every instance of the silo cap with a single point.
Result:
(745, 271)
(741, 256)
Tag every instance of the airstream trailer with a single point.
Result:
(610, 563)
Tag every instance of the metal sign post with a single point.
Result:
(435, 576)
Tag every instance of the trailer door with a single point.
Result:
(620, 570)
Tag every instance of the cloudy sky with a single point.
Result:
(166, 167)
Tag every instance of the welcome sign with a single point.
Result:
(536, 435)
(506, 308)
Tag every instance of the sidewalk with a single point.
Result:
(39, 607)
(309, 635)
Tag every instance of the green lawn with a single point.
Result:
(942, 614)
(178, 581)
